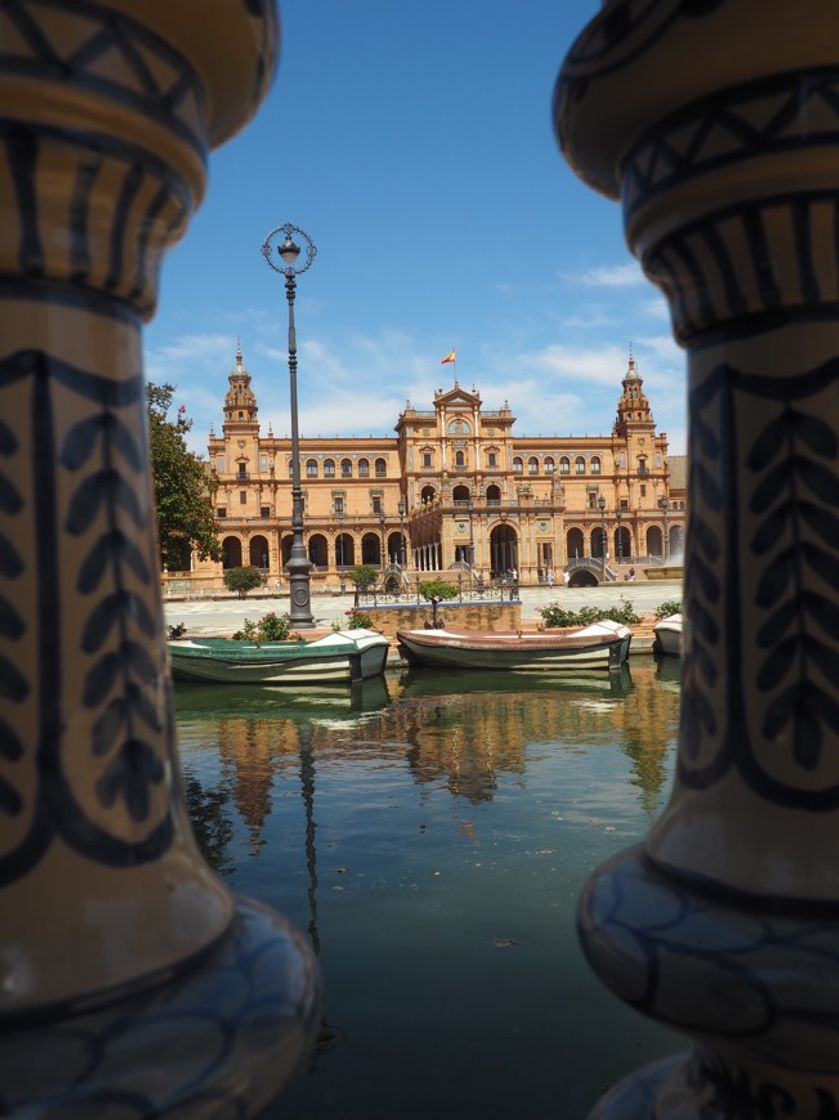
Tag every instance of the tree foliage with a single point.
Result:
(183, 493)
(363, 576)
(435, 591)
(242, 580)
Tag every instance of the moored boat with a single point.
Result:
(668, 635)
(600, 646)
(340, 658)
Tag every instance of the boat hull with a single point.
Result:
(538, 653)
(668, 636)
(279, 663)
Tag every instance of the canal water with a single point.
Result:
(432, 833)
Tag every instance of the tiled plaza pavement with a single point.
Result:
(226, 615)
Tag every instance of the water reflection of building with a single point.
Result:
(465, 740)
(250, 750)
(469, 739)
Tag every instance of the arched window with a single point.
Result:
(460, 495)
(580, 465)
(346, 468)
(427, 494)
(381, 468)
(518, 465)
(595, 465)
(311, 468)
(459, 459)
(363, 468)
(550, 465)
(532, 465)
(329, 468)
(493, 495)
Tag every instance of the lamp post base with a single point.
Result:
(300, 604)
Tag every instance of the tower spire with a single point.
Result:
(238, 352)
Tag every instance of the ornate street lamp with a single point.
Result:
(601, 501)
(384, 542)
(298, 566)
(619, 542)
(663, 505)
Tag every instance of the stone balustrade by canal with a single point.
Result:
(132, 982)
(716, 122)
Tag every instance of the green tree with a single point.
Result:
(183, 491)
(242, 580)
(362, 576)
(435, 591)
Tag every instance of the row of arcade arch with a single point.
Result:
(345, 551)
(619, 543)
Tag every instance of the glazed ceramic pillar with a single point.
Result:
(112, 928)
(717, 123)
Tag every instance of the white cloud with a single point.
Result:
(601, 365)
(663, 347)
(588, 317)
(656, 308)
(612, 276)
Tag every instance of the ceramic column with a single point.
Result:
(131, 982)
(717, 124)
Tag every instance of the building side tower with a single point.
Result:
(240, 407)
(634, 413)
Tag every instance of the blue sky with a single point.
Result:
(412, 140)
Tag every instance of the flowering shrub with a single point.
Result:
(669, 606)
(555, 615)
(359, 620)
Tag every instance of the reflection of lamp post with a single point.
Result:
(663, 503)
(471, 534)
(298, 565)
(618, 516)
(401, 507)
(601, 501)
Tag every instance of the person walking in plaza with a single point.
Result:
(550, 577)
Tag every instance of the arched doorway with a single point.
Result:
(654, 541)
(503, 549)
(259, 552)
(575, 544)
(598, 542)
(427, 494)
(317, 550)
(493, 495)
(231, 553)
(396, 548)
(582, 577)
(623, 544)
(460, 494)
(371, 549)
(344, 550)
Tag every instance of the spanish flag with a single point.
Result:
(450, 357)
